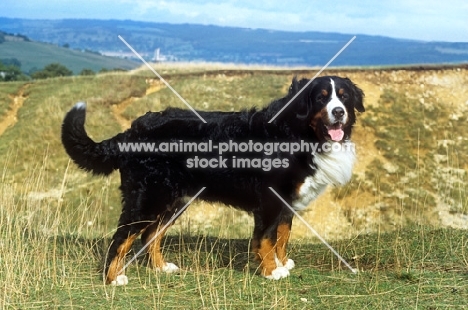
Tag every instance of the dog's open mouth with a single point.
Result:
(335, 132)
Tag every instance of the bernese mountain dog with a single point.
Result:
(155, 185)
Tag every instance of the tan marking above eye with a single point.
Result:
(341, 91)
(324, 92)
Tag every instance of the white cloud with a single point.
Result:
(430, 20)
(414, 19)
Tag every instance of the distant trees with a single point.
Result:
(57, 70)
(10, 70)
(52, 70)
(87, 72)
(10, 73)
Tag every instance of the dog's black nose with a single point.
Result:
(338, 112)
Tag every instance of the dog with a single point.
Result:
(155, 185)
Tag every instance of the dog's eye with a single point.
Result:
(322, 95)
(320, 98)
(344, 96)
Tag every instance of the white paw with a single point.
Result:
(120, 280)
(278, 273)
(290, 264)
(278, 262)
(169, 268)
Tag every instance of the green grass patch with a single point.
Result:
(38, 132)
(43, 266)
(53, 245)
(36, 55)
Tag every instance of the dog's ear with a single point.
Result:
(294, 87)
(301, 103)
(357, 96)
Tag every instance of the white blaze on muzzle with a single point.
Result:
(335, 128)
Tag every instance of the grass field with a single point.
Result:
(402, 221)
(36, 55)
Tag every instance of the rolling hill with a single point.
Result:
(36, 55)
(408, 131)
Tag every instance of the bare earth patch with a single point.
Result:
(10, 118)
(119, 109)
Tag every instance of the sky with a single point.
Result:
(426, 20)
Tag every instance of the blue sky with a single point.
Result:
(429, 20)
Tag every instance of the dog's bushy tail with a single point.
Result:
(99, 158)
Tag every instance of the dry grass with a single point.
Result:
(56, 221)
(52, 251)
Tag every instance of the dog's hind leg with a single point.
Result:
(121, 245)
(153, 236)
(132, 223)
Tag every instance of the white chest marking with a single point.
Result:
(334, 168)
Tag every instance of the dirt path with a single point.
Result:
(11, 118)
(119, 109)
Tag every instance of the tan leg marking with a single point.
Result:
(154, 249)
(266, 253)
(117, 264)
(283, 232)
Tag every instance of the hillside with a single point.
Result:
(187, 42)
(36, 55)
(401, 221)
(411, 141)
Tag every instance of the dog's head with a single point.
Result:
(327, 106)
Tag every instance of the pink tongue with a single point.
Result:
(336, 134)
